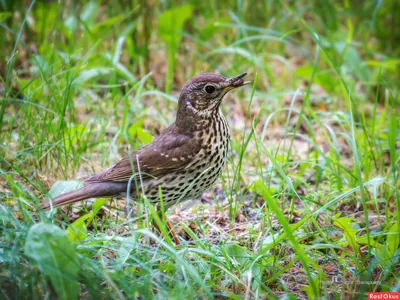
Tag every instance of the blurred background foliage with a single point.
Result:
(114, 45)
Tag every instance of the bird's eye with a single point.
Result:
(210, 89)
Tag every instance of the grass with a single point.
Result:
(308, 206)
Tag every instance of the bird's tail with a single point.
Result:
(92, 190)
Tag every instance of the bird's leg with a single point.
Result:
(170, 231)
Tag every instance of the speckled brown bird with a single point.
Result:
(184, 160)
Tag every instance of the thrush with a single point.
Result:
(182, 162)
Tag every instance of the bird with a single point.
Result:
(182, 162)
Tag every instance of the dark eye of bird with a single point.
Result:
(210, 89)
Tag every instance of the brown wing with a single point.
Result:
(170, 151)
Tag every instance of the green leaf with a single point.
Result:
(259, 181)
(100, 27)
(391, 64)
(304, 71)
(393, 239)
(127, 245)
(136, 131)
(63, 186)
(347, 225)
(364, 240)
(77, 231)
(89, 12)
(98, 204)
(170, 23)
(323, 78)
(144, 136)
(351, 58)
(32, 87)
(281, 158)
(4, 16)
(270, 240)
(50, 247)
(238, 253)
(88, 74)
(382, 254)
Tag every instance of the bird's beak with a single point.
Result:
(235, 82)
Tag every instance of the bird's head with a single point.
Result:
(202, 95)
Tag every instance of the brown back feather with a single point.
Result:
(171, 150)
